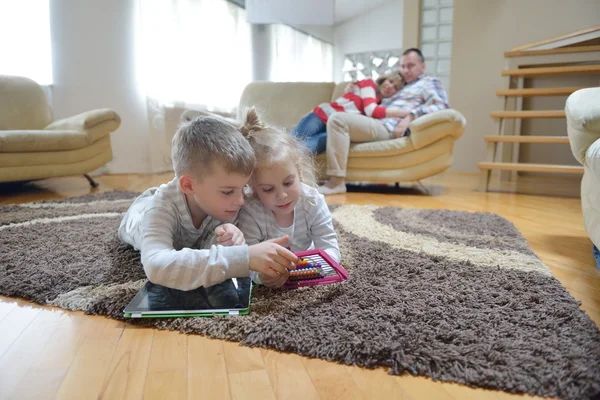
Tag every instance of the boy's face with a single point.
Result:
(220, 194)
(278, 187)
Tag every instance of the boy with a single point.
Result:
(175, 226)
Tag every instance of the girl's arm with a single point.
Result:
(368, 93)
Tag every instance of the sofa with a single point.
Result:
(583, 127)
(428, 151)
(35, 146)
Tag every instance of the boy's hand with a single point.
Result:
(229, 235)
(272, 261)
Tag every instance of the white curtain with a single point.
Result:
(190, 53)
(194, 51)
(25, 39)
(298, 57)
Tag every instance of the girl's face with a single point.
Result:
(387, 89)
(278, 187)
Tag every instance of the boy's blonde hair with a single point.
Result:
(204, 141)
(272, 146)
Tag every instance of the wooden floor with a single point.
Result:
(50, 353)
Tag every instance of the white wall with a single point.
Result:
(482, 32)
(322, 32)
(378, 29)
(93, 66)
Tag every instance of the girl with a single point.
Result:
(361, 97)
(284, 198)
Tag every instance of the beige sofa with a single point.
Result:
(583, 126)
(428, 151)
(35, 146)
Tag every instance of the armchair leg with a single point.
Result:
(91, 180)
(424, 188)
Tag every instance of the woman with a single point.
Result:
(361, 97)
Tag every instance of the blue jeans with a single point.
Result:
(313, 132)
(596, 255)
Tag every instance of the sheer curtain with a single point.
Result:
(25, 39)
(194, 53)
(298, 57)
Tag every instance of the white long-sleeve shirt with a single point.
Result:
(174, 253)
(312, 226)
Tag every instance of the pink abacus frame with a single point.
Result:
(341, 273)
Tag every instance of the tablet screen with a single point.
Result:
(232, 294)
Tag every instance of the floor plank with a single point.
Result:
(288, 376)
(167, 369)
(332, 381)
(126, 375)
(207, 369)
(14, 324)
(90, 367)
(51, 366)
(23, 352)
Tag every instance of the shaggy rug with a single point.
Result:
(454, 296)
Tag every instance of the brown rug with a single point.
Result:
(455, 296)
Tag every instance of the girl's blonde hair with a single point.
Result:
(394, 77)
(272, 146)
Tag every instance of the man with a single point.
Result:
(422, 94)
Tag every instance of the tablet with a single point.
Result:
(231, 297)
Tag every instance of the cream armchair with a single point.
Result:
(34, 146)
(583, 126)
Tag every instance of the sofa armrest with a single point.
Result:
(96, 123)
(583, 123)
(432, 127)
(86, 120)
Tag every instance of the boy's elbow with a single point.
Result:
(151, 271)
(152, 268)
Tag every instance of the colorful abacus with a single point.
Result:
(316, 267)
(306, 270)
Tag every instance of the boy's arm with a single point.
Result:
(251, 231)
(321, 229)
(185, 269)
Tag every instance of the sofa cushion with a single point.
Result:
(23, 104)
(338, 91)
(283, 104)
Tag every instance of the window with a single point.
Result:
(298, 57)
(193, 51)
(436, 38)
(25, 40)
